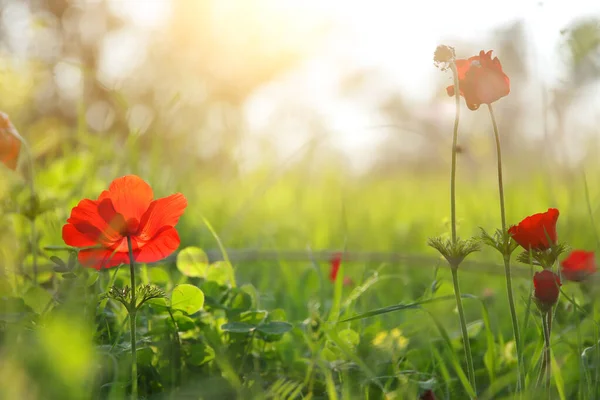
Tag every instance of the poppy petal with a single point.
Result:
(102, 258)
(159, 247)
(10, 145)
(74, 237)
(161, 213)
(130, 195)
(579, 265)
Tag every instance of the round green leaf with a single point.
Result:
(238, 327)
(158, 275)
(275, 328)
(192, 262)
(221, 272)
(187, 298)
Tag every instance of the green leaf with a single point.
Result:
(277, 314)
(187, 298)
(349, 337)
(275, 328)
(184, 323)
(144, 356)
(238, 327)
(253, 317)
(240, 300)
(159, 303)
(407, 306)
(222, 273)
(158, 276)
(192, 262)
(37, 298)
(200, 354)
(91, 278)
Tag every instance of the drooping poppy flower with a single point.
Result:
(578, 265)
(481, 80)
(533, 232)
(10, 145)
(546, 288)
(126, 209)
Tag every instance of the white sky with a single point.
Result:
(395, 37)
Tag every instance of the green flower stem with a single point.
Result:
(463, 328)
(506, 257)
(454, 268)
(547, 323)
(132, 316)
(33, 199)
(454, 143)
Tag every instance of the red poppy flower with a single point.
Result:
(546, 284)
(335, 262)
(481, 80)
(533, 232)
(10, 145)
(427, 395)
(578, 265)
(126, 209)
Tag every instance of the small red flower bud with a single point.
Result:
(546, 289)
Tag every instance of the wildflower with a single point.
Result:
(393, 339)
(125, 210)
(481, 80)
(578, 265)
(534, 231)
(427, 395)
(10, 145)
(546, 289)
(443, 55)
(335, 263)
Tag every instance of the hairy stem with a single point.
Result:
(454, 143)
(454, 268)
(506, 257)
(463, 328)
(132, 319)
(547, 323)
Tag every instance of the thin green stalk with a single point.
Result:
(547, 322)
(506, 257)
(454, 144)
(454, 268)
(132, 316)
(463, 328)
(33, 199)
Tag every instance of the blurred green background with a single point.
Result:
(293, 145)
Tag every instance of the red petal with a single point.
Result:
(10, 145)
(546, 285)
(336, 261)
(74, 237)
(102, 258)
(161, 213)
(578, 265)
(159, 247)
(130, 196)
